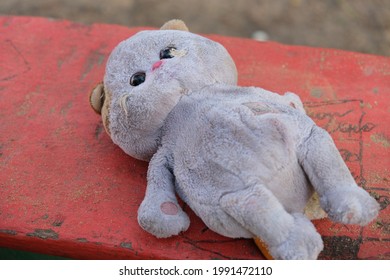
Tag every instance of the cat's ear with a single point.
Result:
(174, 24)
(97, 98)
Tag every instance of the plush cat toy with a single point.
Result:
(244, 159)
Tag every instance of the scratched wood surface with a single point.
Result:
(66, 189)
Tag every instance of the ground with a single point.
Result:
(358, 25)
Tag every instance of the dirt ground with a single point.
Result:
(357, 25)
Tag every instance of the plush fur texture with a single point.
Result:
(245, 160)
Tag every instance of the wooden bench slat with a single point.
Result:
(66, 189)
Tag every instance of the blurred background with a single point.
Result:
(356, 25)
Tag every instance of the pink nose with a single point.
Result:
(156, 65)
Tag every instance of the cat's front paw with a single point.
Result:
(163, 220)
(350, 206)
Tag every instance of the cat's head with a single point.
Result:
(147, 74)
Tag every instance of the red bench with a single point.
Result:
(66, 189)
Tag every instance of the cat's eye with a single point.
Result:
(167, 52)
(137, 79)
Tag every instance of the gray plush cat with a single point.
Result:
(244, 159)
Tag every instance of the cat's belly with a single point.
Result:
(230, 149)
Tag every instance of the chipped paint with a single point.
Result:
(58, 221)
(365, 105)
(380, 138)
(8, 231)
(82, 240)
(127, 245)
(44, 234)
(383, 226)
(341, 247)
(378, 178)
(316, 92)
